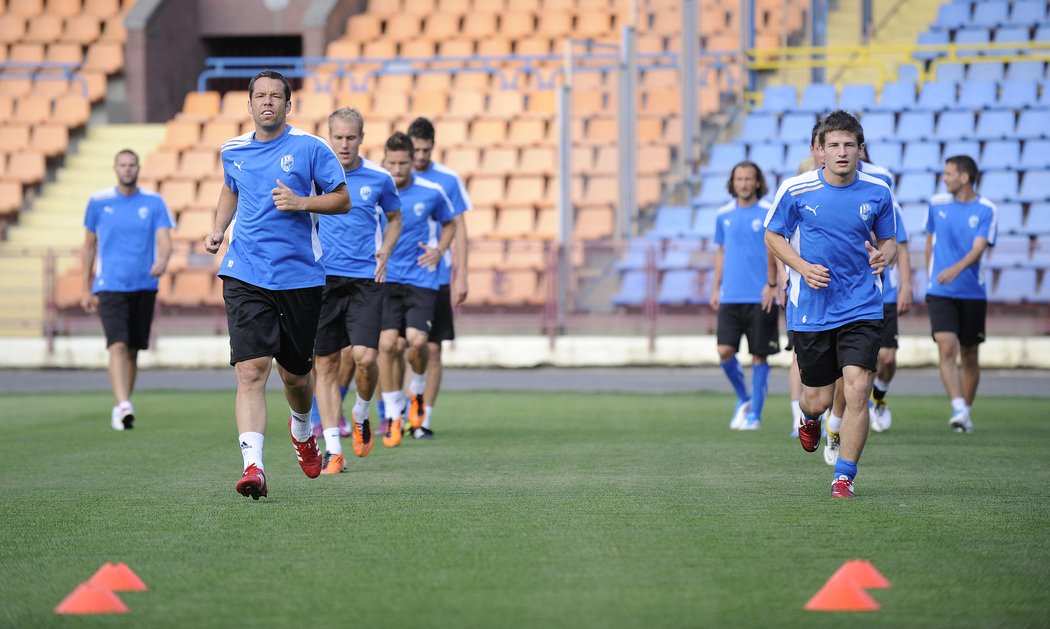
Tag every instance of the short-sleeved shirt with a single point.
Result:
(740, 232)
(457, 195)
(891, 286)
(828, 225)
(424, 206)
(350, 240)
(876, 171)
(126, 228)
(270, 248)
(954, 226)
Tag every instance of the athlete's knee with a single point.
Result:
(726, 352)
(969, 355)
(887, 358)
(435, 351)
(327, 363)
(389, 345)
(253, 371)
(365, 358)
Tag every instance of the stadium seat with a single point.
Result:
(915, 187)
(1038, 223)
(1011, 35)
(916, 125)
(594, 222)
(713, 191)
(1035, 186)
(1014, 286)
(796, 127)
(481, 223)
(12, 28)
(199, 164)
(680, 288)
(769, 157)
(857, 98)
(1017, 94)
(951, 16)
(1001, 155)
(886, 154)
(32, 108)
(1009, 252)
(672, 221)
(995, 125)
(486, 254)
(43, 29)
(984, 71)
(759, 127)
(779, 99)
(931, 38)
(704, 223)
(499, 161)
(936, 97)
(10, 197)
(817, 98)
(27, 168)
(796, 153)
(204, 105)
(1033, 124)
(537, 160)
(1010, 218)
(991, 13)
(1027, 13)
(999, 185)
(632, 289)
(955, 125)
(969, 37)
(193, 225)
(636, 258)
(50, 139)
(1027, 70)
(914, 215)
(107, 57)
(977, 95)
(724, 157)
(16, 137)
(879, 126)
(896, 97)
(1035, 155)
(952, 72)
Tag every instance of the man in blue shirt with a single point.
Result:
(821, 226)
(744, 291)
(130, 231)
(356, 249)
(960, 226)
(275, 180)
(412, 279)
(424, 387)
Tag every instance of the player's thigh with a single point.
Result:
(763, 331)
(252, 318)
(945, 315)
(300, 308)
(419, 308)
(857, 344)
(114, 310)
(365, 314)
(732, 324)
(817, 358)
(140, 320)
(332, 334)
(442, 328)
(973, 313)
(890, 334)
(393, 307)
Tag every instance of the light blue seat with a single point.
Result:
(678, 256)
(930, 38)
(769, 156)
(1027, 13)
(679, 288)
(984, 71)
(1029, 70)
(967, 36)
(991, 13)
(915, 125)
(918, 283)
(936, 97)
(779, 99)
(759, 127)
(1038, 224)
(1009, 252)
(955, 125)
(1042, 33)
(1035, 186)
(1017, 94)
(879, 125)
(914, 215)
(952, 72)
(1035, 155)
(999, 185)
(962, 147)
(1033, 124)
(817, 98)
(1010, 217)
(1014, 286)
(1001, 155)
(713, 191)
(951, 17)
(673, 221)
(857, 97)
(915, 187)
(724, 157)
(886, 154)
(896, 97)
(976, 95)
(796, 127)
(1011, 35)
(636, 256)
(796, 153)
(632, 289)
(704, 223)
(995, 125)
(921, 157)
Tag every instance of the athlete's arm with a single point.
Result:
(335, 202)
(160, 261)
(904, 290)
(431, 256)
(88, 301)
(815, 275)
(716, 281)
(769, 291)
(882, 254)
(459, 259)
(224, 210)
(929, 249)
(390, 236)
(948, 275)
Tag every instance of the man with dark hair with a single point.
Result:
(275, 179)
(745, 299)
(424, 388)
(129, 229)
(412, 280)
(960, 226)
(821, 226)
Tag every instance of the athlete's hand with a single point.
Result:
(285, 199)
(89, 302)
(817, 276)
(715, 298)
(158, 268)
(782, 292)
(769, 295)
(876, 258)
(460, 288)
(213, 241)
(381, 259)
(903, 299)
(948, 275)
(430, 257)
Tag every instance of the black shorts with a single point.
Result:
(278, 323)
(406, 306)
(351, 314)
(962, 317)
(127, 317)
(442, 328)
(790, 347)
(761, 328)
(889, 326)
(823, 354)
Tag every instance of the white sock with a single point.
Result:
(967, 411)
(360, 411)
(331, 440)
(417, 383)
(427, 410)
(301, 425)
(796, 411)
(393, 402)
(958, 405)
(126, 406)
(881, 384)
(834, 423)
(252, 448)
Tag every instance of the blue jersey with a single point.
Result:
(350, 241)
(270, 248)
(126, 228)
(457, 195)
(876, 171)
(424, 207)
(954, 226)
(828, 225)
(893, 274)
(744, 259)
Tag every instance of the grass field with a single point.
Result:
(529, 510)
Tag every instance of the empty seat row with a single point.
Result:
(1031, 124)
(990, 14)
(989, 70)
(925, 156)
(820, 98)
(682, 287)
(48, 28)
(998, 185)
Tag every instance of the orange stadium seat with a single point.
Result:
(199, 164)
(403, 26)
(32, 108)
(161, 164)
(17, 87)
(12, 28)
(361, 101)
(64, 52)
(537, 161)
(24, 52)
(94, 82)
(193, 225)
(312, 106)
(50, 85)
(555, 22)
(233, 105)
(495, 45)
(465, 160)
(499, 161)
(534, 45)
(179, 194)
(442, 25)
(191, 287)
(72, 109)
(15, 135)
(28, 169)
(343, 49)
(456, 47)
(654, 160)
(25, 8)
(527, 254)
(527, 190)
(394, 82)
(601, 190)
(181, 134)
(507, 103)
(362, 27)
(479, 25)
(486, 190)
(384, 7)
(546, 224)
(485, 254)
(113, 30)
(50, 139)
(63, 8)
(217, 132)
(648, 189)
(583, 158)
(82, 29)
(529, 132)
(454, 6)
(594, 222)
(419, 48)
(43, 29)
(651, 130)
(208, 194)
(467, 104)
(10, 197)
(420, 7)
(204, 105)
(516, 288)
(481, 223)
(430, 102)
(517, 24)
(105, 56)
(451, 132)
(515, 221)
(481, 283)
(7, 106)
(486, 131)
(434, 82)
(69, 287)
(471, 81)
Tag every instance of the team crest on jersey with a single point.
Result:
(865, 211)
(366, 192)
(107, 210)
(973, 221)
(143, 212)
(287, 162)
(726, 222)
(756, 225)
(419, 208)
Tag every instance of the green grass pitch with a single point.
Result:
(528, 510)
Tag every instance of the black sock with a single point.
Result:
(878, 393)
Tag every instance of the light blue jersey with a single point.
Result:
(954, 226)
(350, 241)
(270, 248)
(744, 260)
(877, 171)
(424, 206)
(126, 228)
(828, 225)
(893, 274)
(457, 195)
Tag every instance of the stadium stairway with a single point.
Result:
(55, 220)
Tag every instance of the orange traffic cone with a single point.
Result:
(91, 599)
(118, 578)
(840, 594)
(864, 574)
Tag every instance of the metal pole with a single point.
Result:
(687, 62)
(565, 207)
(867, 22)
(747, 38)
(627, 209)
(819, 28)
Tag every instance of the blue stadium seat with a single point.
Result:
(632, 289)
(951, 16)
(1010, 217)
(713, 191)
(1009, 252)
(637, 254)
(967, 36)
(817, 98)
(1041, 252)
(975, 94)
(953, 72)
(1011, 35)
(918, 283)
(936, 97)
(914, 215)
(673, 221)
(769, 156)
(1027, 13)
(857, 97)
(1038, 224)
(1001, 155)
(999, 185)
(1035, 155)
(995, 125)
(1014, 286)
(985, 71)
(879, 125)
(964, 147)
(679, 255)
(908, 73)
(921, 157)
(1035, 186)
(955, 125)
(930, 38)
(759, 127)
(1029, 70)
(797, 127)
(1033, 124)
(795, 154)
(704, 223)
(1017, 94)
(680, 288)
(1042, 33)
(991, 13)
(887, 154)
(724, 157)
(915, 125)
(915, 187)
(779, 99)
(896, 97)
